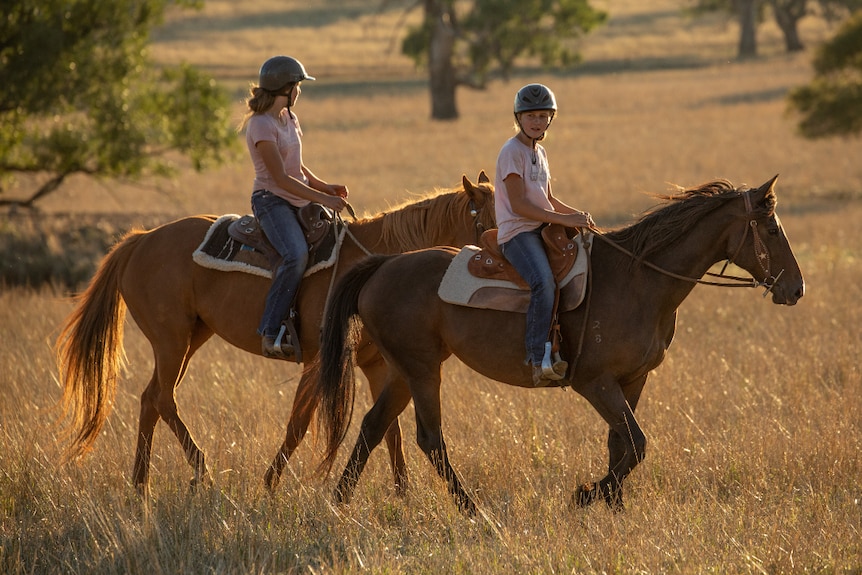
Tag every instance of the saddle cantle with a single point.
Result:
(496, 285)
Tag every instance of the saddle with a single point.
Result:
(482, 278)
(490, 263)
(316, 222)
(238, 243)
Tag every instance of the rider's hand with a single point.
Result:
(580, 220)
(339, 190)
(336, 203)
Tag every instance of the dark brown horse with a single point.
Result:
(179, 305)
(640, 276)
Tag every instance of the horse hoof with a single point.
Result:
(196, 483)
(271, 480)
(585, 495)
(467, 507)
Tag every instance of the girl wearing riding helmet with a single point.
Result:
(524, 204)
(282, 185)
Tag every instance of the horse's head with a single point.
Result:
(764, 250)
(481, 206)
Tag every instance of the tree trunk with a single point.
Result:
(747, 11)
(788, 13)
(441, 70)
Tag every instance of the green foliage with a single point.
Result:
(79, 94)
(493, 34)
(831, 104)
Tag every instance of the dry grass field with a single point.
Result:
(753, 463)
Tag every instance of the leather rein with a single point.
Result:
(760, 251)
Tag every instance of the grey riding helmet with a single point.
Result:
(279, 71)
(535, 97)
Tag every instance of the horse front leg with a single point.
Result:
(429, 436)
(617, 444)
(626, 440)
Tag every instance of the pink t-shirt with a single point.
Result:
(517, 158)
(287, 135)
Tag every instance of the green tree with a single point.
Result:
(78, 94)
(461, 43)
(787, 14)
(831, 104)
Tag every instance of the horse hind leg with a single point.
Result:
(149, 417)
(158, 401)
(305, 403)
(389, 405)
(380, 376)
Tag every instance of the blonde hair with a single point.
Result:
(259, 101)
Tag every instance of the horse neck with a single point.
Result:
(690, 256)
(369, 233)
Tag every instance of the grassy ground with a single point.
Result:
(753, 461)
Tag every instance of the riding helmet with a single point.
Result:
(535, 97)
(279, 71)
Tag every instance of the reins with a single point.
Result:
(760, 251)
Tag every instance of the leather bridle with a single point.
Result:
(761, 253)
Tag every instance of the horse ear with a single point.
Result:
(769, 186)
(767, 196)
(483, 178)
(468, 185)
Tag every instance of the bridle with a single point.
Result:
(761, 254)
(477, 223)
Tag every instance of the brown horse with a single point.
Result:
(179, 305)
(640, 276)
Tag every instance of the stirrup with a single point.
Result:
(553, 368)
(269, 349)
(292, 338)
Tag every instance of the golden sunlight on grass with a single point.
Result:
(754, 442)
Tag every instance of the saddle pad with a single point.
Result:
(460, 287)
(219, 251)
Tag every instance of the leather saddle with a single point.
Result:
(490, 263)
(317, 222)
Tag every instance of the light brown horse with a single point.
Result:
(179, 305)
(640, 276)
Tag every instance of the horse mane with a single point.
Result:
(662, 225)
(416, 223)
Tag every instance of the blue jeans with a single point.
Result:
(526, 252)
(279, 221)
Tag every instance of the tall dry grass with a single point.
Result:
(753, 460)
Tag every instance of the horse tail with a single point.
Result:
(336, 383)
(89, 350)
